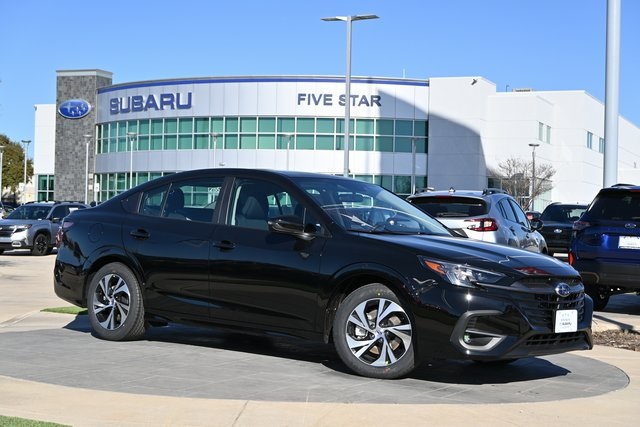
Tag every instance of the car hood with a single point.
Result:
(490, 256)
(12, 222)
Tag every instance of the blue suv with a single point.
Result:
(605, 244)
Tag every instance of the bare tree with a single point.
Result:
(514, 176)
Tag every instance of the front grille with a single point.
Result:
(6, 231)
(553, 341)
(537, 300)
(539, 308)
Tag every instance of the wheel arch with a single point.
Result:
(355, 277)
(96, 262)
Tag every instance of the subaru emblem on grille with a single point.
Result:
(562, 289)
(630, 225)
(557, 231)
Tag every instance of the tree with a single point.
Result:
(13, 165)
(514, 176)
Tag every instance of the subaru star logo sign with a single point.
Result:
(74, 108)
(563, 290)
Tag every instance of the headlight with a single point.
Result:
(460, 274)
(22, 227)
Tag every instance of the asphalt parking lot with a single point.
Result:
(52, 368)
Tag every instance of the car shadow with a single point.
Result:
(285, 347)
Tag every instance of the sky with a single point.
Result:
(538, 44)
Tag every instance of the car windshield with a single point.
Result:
(29, 212)
(451, 206)
(364, 207)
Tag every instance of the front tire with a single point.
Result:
(373, 333)
(40, 245)
(599, 296)
(114, 304)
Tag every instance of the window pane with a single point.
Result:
(284, 140)
(325, 126)
(132, 126)
(216, 125)
(144, 127)
(143, 143)
(324, 142)
(170, 126)
(202, 125)
(403, 184)
(384, 143)
(248, 124)
(230, 141)
(421, 145)
(186, 125)
(404, 127)
(364, 126)
(340, 141)
(156, 142)
(231, 125)
(185, 142)
(340, 125)
(156, 126)
(247, 142)
(266, 124)
(306, 125)
(364, 143)
(304, 142)
(170, 142)
(384, 127)
(420, 128)
(286, 125)
(267, 141)
(202, 142)
(403, 145)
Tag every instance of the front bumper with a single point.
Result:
(500, 324)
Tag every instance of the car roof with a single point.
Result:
(480, 194)
(620, 188)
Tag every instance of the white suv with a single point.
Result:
(34, 226)
(490, 215)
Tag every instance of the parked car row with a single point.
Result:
(34, 226)
(324, 258)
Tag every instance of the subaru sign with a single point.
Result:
(74, 108)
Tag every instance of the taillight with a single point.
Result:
(482, 224)
(572, 258)
(66, 224)
(581, 225)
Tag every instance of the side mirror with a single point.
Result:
(293, 225)
(536, 224)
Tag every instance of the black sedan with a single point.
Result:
(319, 257)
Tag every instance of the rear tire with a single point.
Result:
(599, 296)
(373, 333)
(114, 304)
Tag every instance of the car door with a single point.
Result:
(169, 238)
(523, 228)
(260, 276)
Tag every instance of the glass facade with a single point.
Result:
(45, 188)
(259, 133)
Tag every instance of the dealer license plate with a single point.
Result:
(629, 242)
(566, 321)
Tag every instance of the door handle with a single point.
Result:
(140, 234)
(225, 245)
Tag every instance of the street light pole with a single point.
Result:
(289, 136)
(131, 136)
(413, 164)
(215, 136)
(26, 143)
(347, 81)
(87, 140)
(533, 146)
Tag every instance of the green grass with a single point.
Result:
(67, 310)
(23, 422)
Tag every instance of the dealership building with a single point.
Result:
(101, 138)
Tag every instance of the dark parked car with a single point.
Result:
(319, 257)
(605, 246)
(557, 220)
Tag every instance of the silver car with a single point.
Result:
(490, 215)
